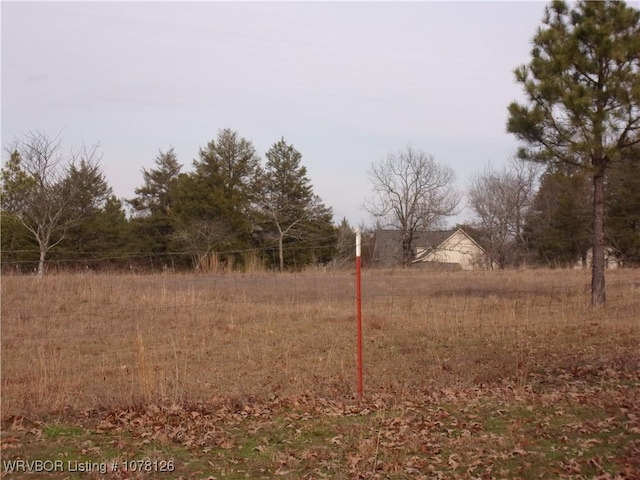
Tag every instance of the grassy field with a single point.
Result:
(467, 375)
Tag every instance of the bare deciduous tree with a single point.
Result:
(201, 238)
(500, 200)
(411, 193)
(49, 192)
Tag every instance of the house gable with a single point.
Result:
(459, 248)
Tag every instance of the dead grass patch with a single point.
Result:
(80, 341)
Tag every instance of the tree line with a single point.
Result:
(230, 211)
(526, 214)
(233, 212)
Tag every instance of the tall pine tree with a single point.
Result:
(215, 204)
(152, 225)
(583, 99)
(294, 216)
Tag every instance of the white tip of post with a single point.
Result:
(358, 242)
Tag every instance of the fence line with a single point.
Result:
(299, 297)
(400, 305)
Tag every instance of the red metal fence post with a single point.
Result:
(359, 312)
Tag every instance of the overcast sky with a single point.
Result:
(345, 83)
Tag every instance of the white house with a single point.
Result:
(450, 249)
(458, 248)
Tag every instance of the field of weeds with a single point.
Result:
(466, 375)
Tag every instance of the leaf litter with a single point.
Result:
(579, 428)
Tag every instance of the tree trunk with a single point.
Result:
(43, 255)
(598, 295)
(281, 252)
(407, 240)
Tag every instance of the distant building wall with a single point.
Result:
(457, 249)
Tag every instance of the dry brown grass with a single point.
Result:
(97, 341)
